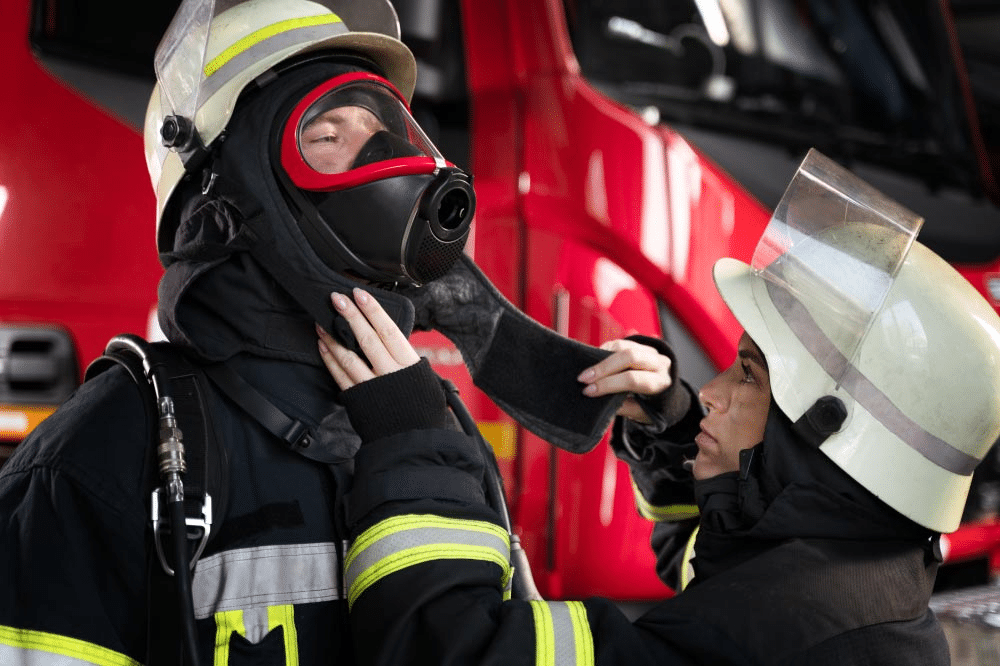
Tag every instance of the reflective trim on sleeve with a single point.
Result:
(562, 634)
(687, 570)
(265, 576)
(662, 514)
(21, 647)
(403, 541)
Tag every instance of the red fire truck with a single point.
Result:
(618, 148)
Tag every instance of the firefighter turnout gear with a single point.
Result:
(876, 346)
(77, 537)
(797, 558)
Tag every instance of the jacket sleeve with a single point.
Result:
(428, 573)
(72, 535)
(657, 455)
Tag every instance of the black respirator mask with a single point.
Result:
(374, 197)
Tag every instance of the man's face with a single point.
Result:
(330, 142)
(737, 401)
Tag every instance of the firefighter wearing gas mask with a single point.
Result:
(323, 175)
(286, 166)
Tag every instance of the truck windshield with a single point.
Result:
(873, 81)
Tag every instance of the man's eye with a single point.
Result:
(747, 374)
(319, 138)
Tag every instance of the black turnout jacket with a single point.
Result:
(794, 562)
(75, 545)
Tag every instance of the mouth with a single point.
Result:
(705, 438)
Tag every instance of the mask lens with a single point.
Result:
(358, 124)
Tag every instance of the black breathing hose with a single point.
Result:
(171, 465)
(182, 577)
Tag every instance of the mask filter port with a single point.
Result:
(448, 205)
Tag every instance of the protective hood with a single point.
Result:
(787, 488)
(245, 212)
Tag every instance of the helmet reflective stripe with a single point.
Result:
(221, 580)
(237, 58)
(562, 634)
(864, 392)
(914, 359)
(402, 541)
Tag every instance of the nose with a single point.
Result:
(711, 396)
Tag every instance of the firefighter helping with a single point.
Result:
(286, 481)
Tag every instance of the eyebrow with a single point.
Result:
(754, 356)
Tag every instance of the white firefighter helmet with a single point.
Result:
(213, 49)
(876, 347)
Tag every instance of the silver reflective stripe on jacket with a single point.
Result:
(265, 576)
(402, 541)
(562, 634)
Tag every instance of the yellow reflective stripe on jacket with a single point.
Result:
(226, 623)
(254, 631)
(562, 634)
(284, 617)
(687, 570)
(662, 514)
(265, 33)
(403, 541)
(21, 647)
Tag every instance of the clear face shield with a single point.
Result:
(828, 259)
(214, 48)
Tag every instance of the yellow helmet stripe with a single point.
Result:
(264, 33)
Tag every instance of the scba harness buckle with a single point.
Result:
(197, 528)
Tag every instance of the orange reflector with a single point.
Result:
(17, 422)
(501, 436)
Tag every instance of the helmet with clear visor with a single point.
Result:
(880, 353)
(214, 49)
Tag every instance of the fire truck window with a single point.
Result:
(877, 86)
(696, 368)
(432, 30)
(865, 80)
(113, 35)
(103, 49)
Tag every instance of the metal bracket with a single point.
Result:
(193, 524)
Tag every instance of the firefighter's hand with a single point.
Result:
(632, 368)
(379, 339)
